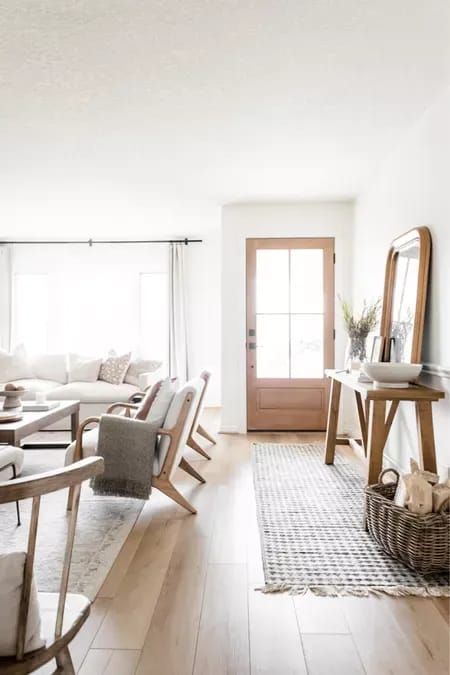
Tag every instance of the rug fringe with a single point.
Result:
(360, 592)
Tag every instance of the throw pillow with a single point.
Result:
(50, 367)
(83, 368)
(113, 369)
(11, 575)
(139, 367)
(14, 365)
(153, 409)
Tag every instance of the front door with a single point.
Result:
(290, 332)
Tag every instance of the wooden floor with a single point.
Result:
(180, 599)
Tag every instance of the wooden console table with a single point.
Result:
(375, 425)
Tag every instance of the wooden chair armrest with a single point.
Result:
(50, 481)
(165, 432)
(126, 406)
(78, 453)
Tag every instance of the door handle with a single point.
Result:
(253, 345)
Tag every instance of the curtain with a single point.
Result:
(5, 295)
(178, 347)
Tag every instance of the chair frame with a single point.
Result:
(34, 487)
(163, 481)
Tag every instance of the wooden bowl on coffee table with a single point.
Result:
(13, 398)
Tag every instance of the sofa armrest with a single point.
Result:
(147, 380)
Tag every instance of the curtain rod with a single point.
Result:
(91, 242)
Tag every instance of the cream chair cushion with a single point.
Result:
(11, 576)
(195, 387)
(9, 454)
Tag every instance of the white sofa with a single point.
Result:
(49, 374)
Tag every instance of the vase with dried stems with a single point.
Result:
(358, 328)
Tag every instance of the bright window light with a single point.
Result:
(31, 311)
(154, 313)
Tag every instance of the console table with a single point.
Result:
(375, 425)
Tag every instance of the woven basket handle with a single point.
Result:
(386, 471)
(444, 507)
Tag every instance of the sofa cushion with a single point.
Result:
(14, 365)
(32, 385)
(138, 367)
(92, 392)
(50, 367)
(113, 369)
(11, 576)
(83, 368)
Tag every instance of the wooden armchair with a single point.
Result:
(173, 438)
(138, 398)
(66, 612)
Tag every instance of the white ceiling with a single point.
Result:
(133, 102)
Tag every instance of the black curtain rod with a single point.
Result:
(91, 242)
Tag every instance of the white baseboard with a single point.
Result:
(229, 430)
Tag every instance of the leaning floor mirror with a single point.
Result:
(405, 295)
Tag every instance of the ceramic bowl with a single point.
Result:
(392, 375)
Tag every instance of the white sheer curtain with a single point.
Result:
(178, 347)
(5, 295)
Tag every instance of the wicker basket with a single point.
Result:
(421, 542)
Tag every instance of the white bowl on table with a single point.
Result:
(392, 375)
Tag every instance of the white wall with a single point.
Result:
(242, 221)
(412, 188)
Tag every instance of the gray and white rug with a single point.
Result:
(103, 526)
(312, 538)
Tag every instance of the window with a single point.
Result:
(31, 311)
(154, 317)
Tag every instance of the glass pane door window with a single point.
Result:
(290, 313)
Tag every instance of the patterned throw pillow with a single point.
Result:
(113, 369)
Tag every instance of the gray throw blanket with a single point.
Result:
(128, 447)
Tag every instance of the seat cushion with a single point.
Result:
(11, 576)
(90, 442)
(9, 454)
(93, 392)
(32, 385)
(193, 387)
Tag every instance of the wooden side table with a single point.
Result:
(375, 424)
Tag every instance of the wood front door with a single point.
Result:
(290, 332)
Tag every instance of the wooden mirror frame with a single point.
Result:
(423, 236)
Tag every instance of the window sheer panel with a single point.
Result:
(31, 312)
(154, 317)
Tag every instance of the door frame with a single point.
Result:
(327, 244)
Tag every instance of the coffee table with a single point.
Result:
(31, 422)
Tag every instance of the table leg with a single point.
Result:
(74, 423)
(424, 415)
(333, 415)
(376, 440)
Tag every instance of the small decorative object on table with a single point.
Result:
(358, 329)
(415, 535)
(13, 396)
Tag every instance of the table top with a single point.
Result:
(415, 392)
(43, 417)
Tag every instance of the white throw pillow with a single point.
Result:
(11, 579)
(83, 368)
(50, 367)
(161, 404)
(14, 365)
(139, 367)
(113, 369)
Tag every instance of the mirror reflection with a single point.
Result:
(404, 301)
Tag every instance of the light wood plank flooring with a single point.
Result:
(180, 599)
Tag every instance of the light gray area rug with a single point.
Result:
(103, 527)
(310, 521)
